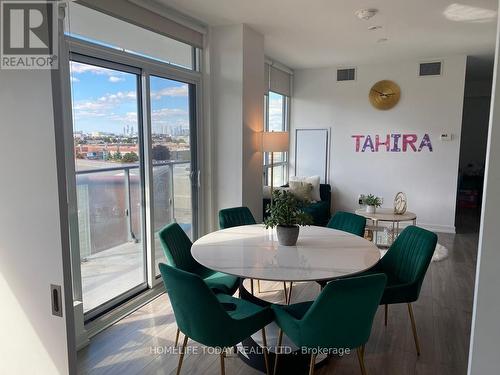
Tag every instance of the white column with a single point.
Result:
(237, 105)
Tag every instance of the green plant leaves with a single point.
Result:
(285, 210)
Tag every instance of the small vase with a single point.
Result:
(370, 209)
(287, 235)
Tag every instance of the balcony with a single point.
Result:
(111, 223)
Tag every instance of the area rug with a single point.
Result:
(440, 253)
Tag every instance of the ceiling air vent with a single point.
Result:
(348, 74)
(430, 69)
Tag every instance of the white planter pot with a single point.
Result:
(370, 209)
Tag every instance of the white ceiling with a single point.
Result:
(317, 33)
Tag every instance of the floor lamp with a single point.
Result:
(274, 142)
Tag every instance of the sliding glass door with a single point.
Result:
(134, 138)
(171, 156)
(109, 182)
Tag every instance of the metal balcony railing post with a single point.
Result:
(172, 197)
(128, 204)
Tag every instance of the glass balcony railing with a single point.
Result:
(110, 223)
(109, 203)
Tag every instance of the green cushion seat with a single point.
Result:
(219, 281)
(341, 316)
(177, 248)
(405, 265)
(242, 309)
(213, 320)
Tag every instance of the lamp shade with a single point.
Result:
(274, 141)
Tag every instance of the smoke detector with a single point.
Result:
(366, 14)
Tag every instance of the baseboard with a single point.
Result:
(438, 228)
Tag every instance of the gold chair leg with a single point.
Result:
(222, 367)
(258, 286)
(181, 355)
(289, 298)
(414, 328)
(277, 350)
(312, 364)
(385, 316)
(361, 359)
(266, 354)
(177, 336)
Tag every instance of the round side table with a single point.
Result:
(387, 215)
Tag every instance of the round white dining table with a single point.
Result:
(252, 251)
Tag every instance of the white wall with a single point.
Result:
(253, 119)
(237, 97)
(485, 336)
(33, 340)
(427, 105)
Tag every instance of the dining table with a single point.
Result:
(253, 252)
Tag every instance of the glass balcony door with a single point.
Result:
(173, 157)
(135, 159)
(108, 154)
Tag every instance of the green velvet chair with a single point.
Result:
(219, 321)
(348, 222)
(341, 317)
(405, 265)
(235, 217)
(177, 248)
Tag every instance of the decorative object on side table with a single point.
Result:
(285, 214)
(371, 202)
(400, 203)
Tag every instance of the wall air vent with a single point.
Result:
(430, 69)
(348, 74)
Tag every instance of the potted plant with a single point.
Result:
(371, 202)
(286, 216)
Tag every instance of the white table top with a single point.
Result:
(252, 251)
(386, 214)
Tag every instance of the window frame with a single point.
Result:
(97, 54)
(285, 126)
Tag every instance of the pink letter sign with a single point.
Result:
(391, 143)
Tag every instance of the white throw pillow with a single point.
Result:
(301, 190)
(314, 181)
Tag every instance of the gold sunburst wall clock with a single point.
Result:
(384, 94)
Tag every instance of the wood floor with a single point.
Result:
(137, 344)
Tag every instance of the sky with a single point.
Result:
(105, 100)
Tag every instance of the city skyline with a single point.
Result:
(105, 100)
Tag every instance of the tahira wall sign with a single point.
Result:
(395, 142)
